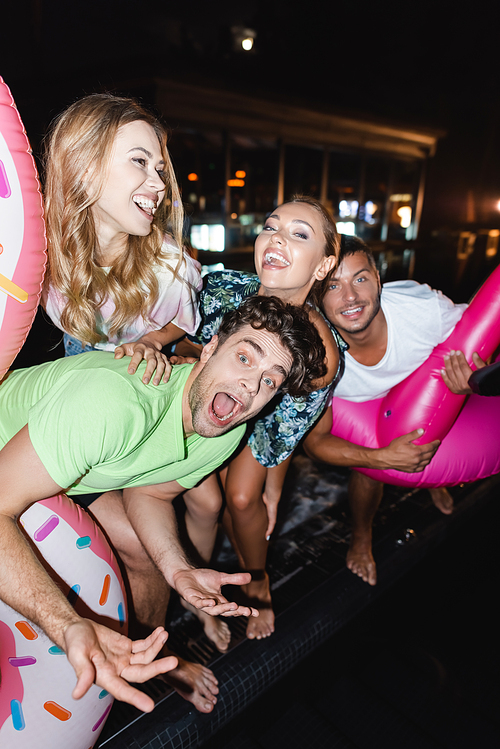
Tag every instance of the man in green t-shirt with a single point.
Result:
(84, 426)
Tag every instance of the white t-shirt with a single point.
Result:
(418, 318)
(177, 302)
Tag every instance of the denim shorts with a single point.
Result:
(72, 346)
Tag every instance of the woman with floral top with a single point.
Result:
(294, 253)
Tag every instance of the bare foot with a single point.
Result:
(442, 499)
(215, 628)
(194, 683)
(259, 596)
(360, 561)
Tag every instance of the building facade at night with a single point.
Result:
(237, 156)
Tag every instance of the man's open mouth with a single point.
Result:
(224, 407)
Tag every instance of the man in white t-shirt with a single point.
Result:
(391, 331)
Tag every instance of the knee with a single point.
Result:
(362, 485)
(206, 508)
(132, 553)
(241, 499)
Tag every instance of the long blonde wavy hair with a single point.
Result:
(78, 150)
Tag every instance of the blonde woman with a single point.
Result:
(116, 279)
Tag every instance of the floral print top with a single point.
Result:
(276, 432)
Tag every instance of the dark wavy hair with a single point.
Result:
(295, 331)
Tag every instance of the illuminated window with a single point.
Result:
(404, 214)
(208, 237)
(492, 243)
(348, 208)
(346, 227)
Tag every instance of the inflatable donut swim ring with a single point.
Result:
(470, 432)
(36, 707)
(22, 233)
(37, 710)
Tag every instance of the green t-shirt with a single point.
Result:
(97, 428)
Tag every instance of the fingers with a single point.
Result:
(137, 357)
(145, 651)
(403, 454)
(230, 609)
(237, 578)
(123, 691)
(176, 359)
(414, 435)
(85, 674)
(139, 673)
(158, 362)
(272, 514)
(243, 611)
(456, 372)
(479, 363)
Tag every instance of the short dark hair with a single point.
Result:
(350, 245)
(295, 331)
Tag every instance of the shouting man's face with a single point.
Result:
(237, 380)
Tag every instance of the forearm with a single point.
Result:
(162, 337)
(188, 349)
(154, 522)
(275, 478)
(27, 588)
(339, 452)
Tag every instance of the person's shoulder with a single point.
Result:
(189, 268)
(407, 292)
(231, 282)
(407, 287)
(232, 276)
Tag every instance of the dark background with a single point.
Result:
(432, 65)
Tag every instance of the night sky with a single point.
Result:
(427, 64)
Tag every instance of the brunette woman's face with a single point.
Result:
(133, 188)
(290, 252)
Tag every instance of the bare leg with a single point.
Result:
(442, 499)
(365, 496)
(203, 505)
(244, 483)
(150, 594)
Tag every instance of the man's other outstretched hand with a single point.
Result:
(104, 657)
(202, 589)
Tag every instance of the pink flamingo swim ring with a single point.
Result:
(470, 431)
(36, 680)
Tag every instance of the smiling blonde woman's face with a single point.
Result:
(133, 188)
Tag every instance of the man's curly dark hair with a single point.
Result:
(295, 331)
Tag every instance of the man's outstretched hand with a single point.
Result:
(104, 657)
(201, 588)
